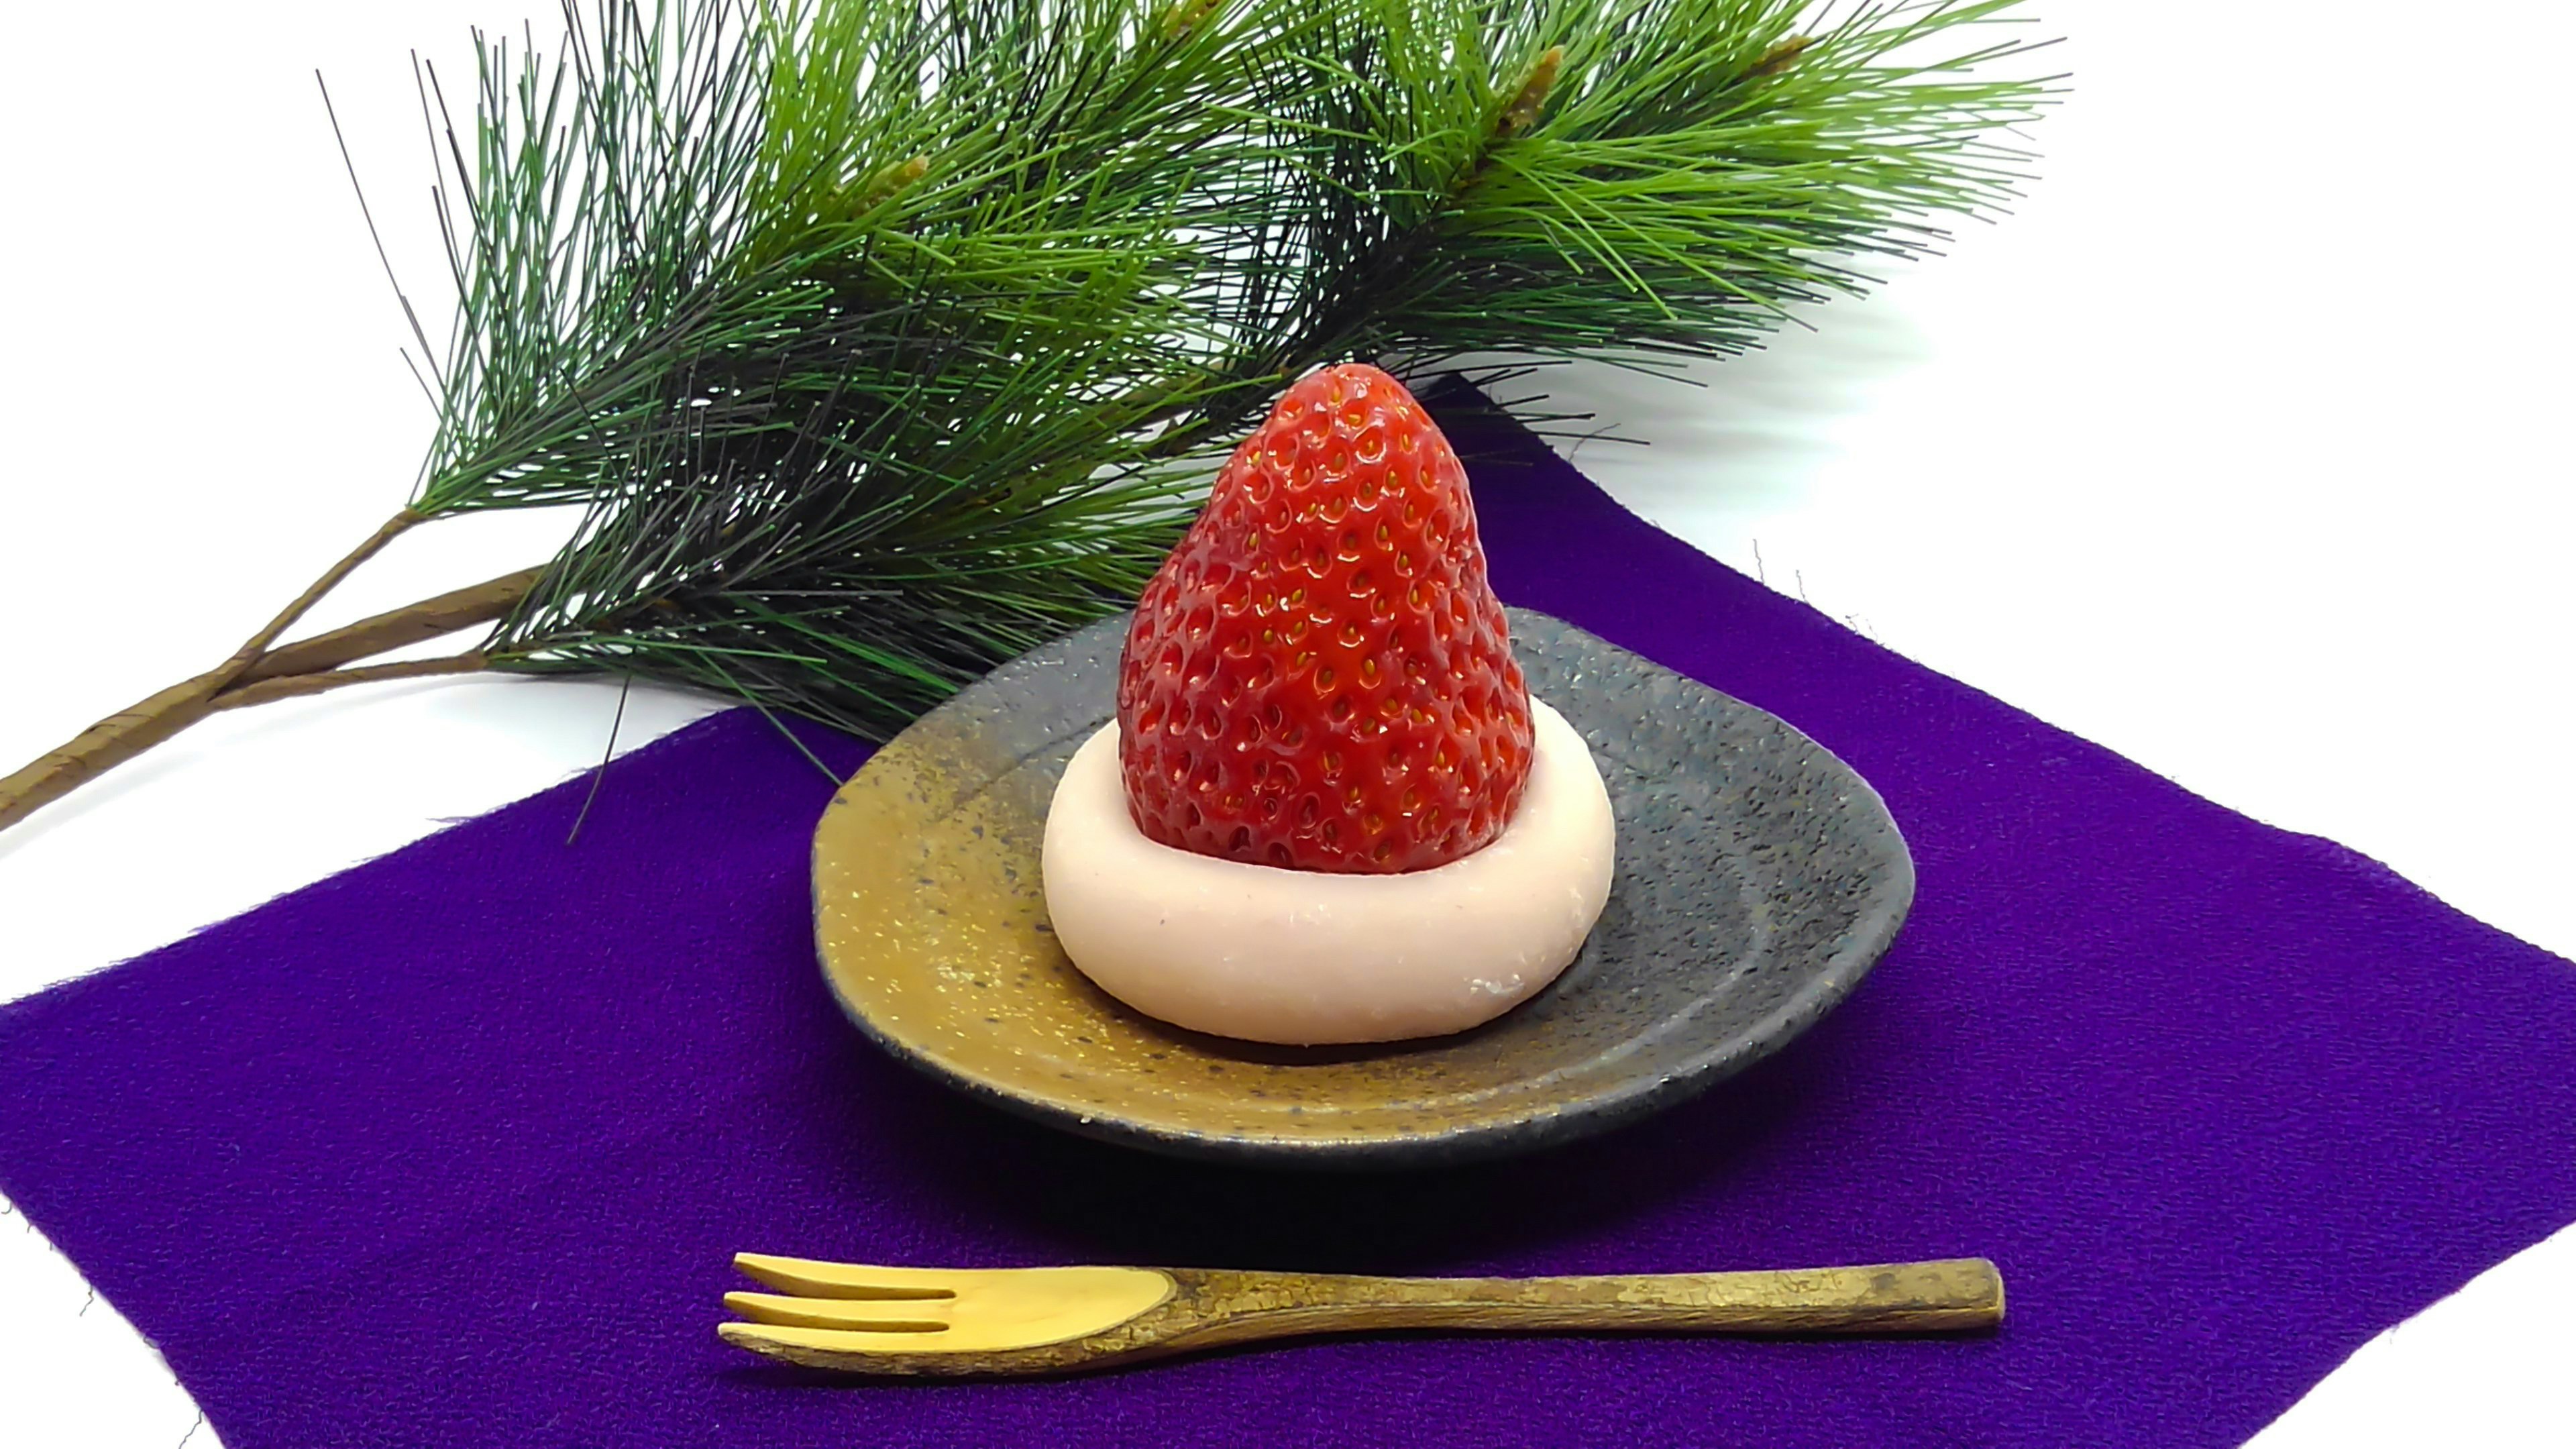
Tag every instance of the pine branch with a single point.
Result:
(1668, 185)
(879, 340)
(963, 449)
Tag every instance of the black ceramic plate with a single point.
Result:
(1758, 879)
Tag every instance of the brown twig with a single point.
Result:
(249, 653)
(251, 674)
(386, 632)
(268, 690)
(111, 741)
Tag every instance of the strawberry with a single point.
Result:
(1319, 677)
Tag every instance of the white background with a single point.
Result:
(2239, 449)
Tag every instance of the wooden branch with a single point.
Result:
(250, 652)
(255, 675)
(461, 609)
(112, 741)
(267, 690)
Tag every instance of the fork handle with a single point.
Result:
(1945, 1296)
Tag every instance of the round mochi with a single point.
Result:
(1310, 958)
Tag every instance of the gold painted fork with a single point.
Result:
(862, 1319)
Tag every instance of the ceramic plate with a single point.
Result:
(1758, 879)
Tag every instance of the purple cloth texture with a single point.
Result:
(453, 1149)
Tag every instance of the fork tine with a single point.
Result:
(860, 1314)
(814, 1278)
(802, 1345)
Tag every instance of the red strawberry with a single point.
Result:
(1319, 677)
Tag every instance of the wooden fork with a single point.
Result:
(872, 1320)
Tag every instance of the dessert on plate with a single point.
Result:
(1328, 810)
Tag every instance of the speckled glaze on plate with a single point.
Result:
(1758, 879)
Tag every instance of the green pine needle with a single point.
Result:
(881, 340)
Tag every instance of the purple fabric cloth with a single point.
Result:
(452, 1149)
